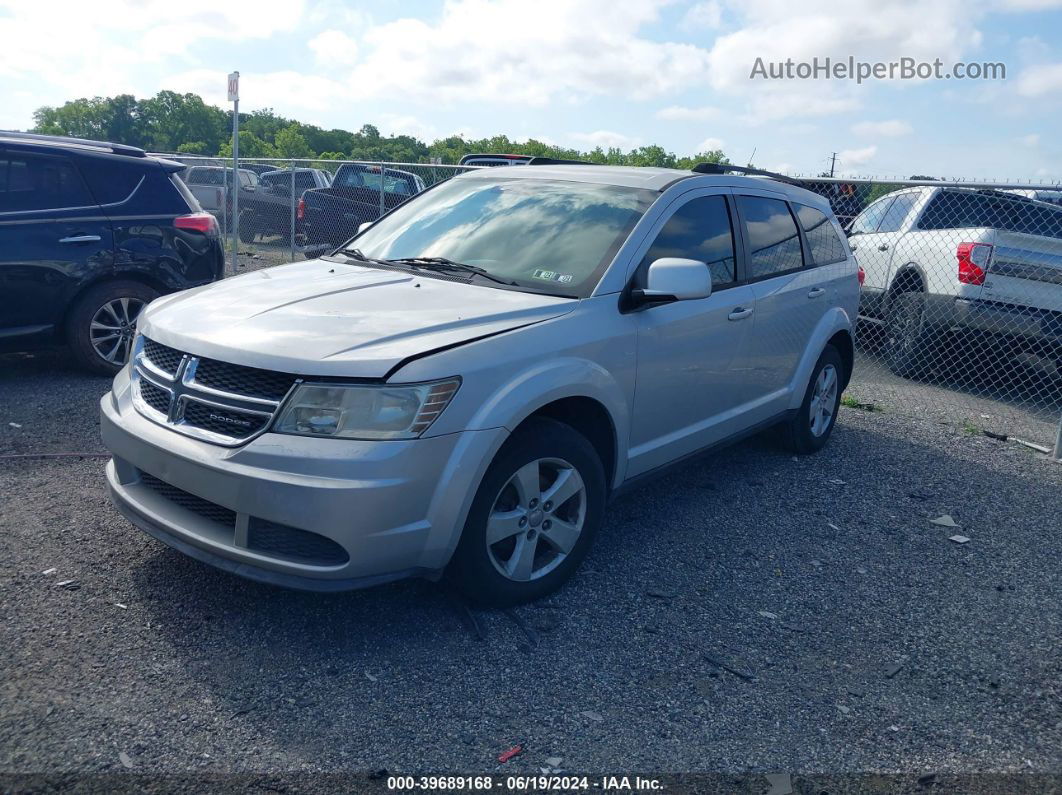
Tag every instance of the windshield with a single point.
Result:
(545, 235)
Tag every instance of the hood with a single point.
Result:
(328, 318)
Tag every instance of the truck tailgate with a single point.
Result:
(1025, 271)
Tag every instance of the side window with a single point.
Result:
(111, 180)
(867, 221)
(774, 242)
(700, 229)
(897, 212)
(33, 182)
(825, 245)
(303, 180)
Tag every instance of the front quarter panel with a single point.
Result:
(589, 352)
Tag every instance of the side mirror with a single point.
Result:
(362, 227)
(675, 279)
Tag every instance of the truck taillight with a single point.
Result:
(861, 275)
(300, 209)
(197, 222)
(973, 262)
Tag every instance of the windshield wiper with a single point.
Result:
(444, 264)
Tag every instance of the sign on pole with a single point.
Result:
(234, 184)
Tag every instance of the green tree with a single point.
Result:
(193, 148)
(289, 142)
(251, 146)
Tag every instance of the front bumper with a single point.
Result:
(396, 508)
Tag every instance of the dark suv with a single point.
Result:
(90, 233)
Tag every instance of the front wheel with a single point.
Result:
(533, 517)
(810, 428)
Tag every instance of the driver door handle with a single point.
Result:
(883, 247)
(740, 313)
(815, 292)
(80, 239)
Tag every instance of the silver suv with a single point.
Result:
(463, 385)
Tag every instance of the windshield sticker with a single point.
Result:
(552, 276)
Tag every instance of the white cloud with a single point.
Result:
(285, 89)
(680, 113)
(708, 14)
(482, 49)
(605, 139)
(334, 47)
(853, 158)
(785, 101)
(710, 144)
(1036, 81)
(891, 128)
(1032, 139)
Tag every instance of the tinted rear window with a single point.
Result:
(952, 209)
(40, 182)
(111, 180)
(825, 245)
(774, 243)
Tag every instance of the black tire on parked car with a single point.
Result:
(518, 545)
(248, 227)
(909, 336)
(102, 323)
(810, 428)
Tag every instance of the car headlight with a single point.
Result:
(363, 411)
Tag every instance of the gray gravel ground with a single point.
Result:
(857, 636)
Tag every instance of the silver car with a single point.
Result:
(462, 387)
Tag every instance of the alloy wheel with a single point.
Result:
(113, 327)
(536, 519)
(823, 400)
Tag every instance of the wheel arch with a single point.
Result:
(909, 278)
(590, 418)
(113, 276)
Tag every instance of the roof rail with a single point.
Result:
(556, 161)
(723, 168)
(118, 149)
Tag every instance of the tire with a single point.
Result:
(810, 428)
(908, 335)
(530, 538)
(99, 320)
(248, 228)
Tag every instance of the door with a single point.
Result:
(53, 237)
(790, 298)
(691, 384)
(873, 238)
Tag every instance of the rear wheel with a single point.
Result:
(908, 335)
(533, 517)
(810, 428)
(101, 326)
(248, 227)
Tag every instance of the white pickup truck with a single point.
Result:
(960, 265)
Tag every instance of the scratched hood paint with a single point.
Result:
(327, 318)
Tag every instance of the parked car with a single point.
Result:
(494, 160)
(90, 233)
(212, 188)
(463, 385)
(359, 193)
(270, 210)
(960, 265)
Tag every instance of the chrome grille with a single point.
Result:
(163, 357)
(218, 402)
(242, 380)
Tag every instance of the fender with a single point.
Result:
(528, 391)
(837, 319)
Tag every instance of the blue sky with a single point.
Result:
(581, 72)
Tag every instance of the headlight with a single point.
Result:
(365, 412)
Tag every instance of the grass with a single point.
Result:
(970, 428)
(852, 403)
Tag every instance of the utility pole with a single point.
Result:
(833, 162)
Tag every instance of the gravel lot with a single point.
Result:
(751, 612)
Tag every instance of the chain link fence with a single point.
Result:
(961, 299)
